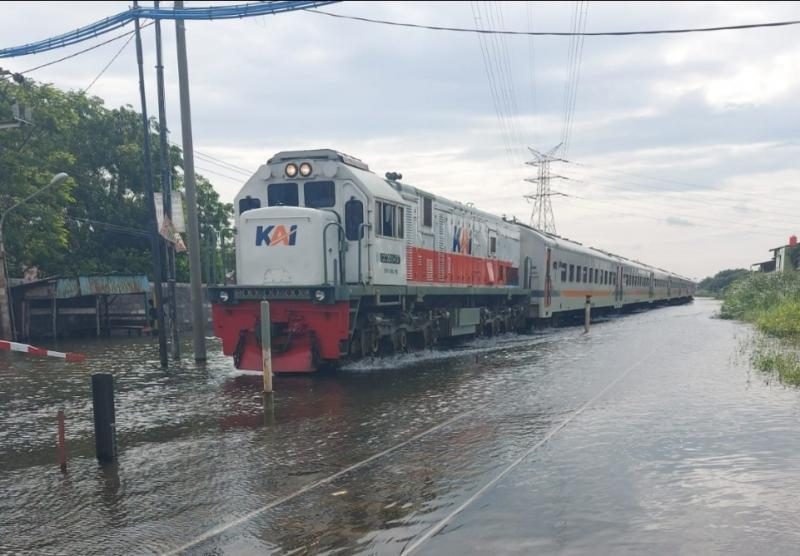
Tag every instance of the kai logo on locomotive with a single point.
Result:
(276, 235)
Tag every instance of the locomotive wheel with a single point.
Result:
(401, 340)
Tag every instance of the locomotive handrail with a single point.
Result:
(360, 236)
(340, 235)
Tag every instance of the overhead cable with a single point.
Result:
(560, 33)
(123, 18)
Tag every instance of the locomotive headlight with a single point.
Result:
(305, 169)
(291, 170)
(319, 295)
(223, 296)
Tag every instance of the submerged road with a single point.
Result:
(649, 435)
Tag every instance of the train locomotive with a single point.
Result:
(354, 264)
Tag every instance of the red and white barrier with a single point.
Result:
(33, 350)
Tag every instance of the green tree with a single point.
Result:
(62, 231)
(716, 285)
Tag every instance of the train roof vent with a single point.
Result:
(319, 154)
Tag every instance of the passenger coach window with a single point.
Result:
(353, 218)
(248, 203)
(319, 194)
(427, 212)
(572, 273)
(563, 271)
(578, 273)
(282, 194)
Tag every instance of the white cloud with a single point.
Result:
(418, 102)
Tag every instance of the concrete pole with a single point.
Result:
(62, 442)
(166, 190)
(266, 347)
(155, 237)
(5, 305)
(588, 314)
(105, 427)
(198, 315)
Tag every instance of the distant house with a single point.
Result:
(786, 257)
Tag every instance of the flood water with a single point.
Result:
(649, 435)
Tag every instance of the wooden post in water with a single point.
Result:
(588, 314)
(105, 433)
(266, 347)
(62, 443)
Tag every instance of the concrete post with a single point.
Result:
(62, 442)
(198, 316)
(588, 314)
(5, 305)
(266, 347)
(105, 433)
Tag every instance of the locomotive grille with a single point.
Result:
(441, 247)
(411, 237)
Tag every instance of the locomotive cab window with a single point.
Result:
(353, 218)
(389, 220)
(427, 212)
(319, 194)
(282, 194)
(248, 203)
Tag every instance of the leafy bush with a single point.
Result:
(771, 301)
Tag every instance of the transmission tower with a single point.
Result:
(542, 214)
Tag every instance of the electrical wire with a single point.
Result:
(84, 51)
(677, 182)
(123, 18)
(108, 65)
(559, 33)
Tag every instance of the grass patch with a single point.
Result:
(772, 303)
(786, 364)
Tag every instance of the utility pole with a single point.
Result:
(198, 315)
(155, 237)
(542, 214)
(166, 190)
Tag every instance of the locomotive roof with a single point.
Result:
(320, 154)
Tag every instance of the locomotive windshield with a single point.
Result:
(319, 194)
(282, 194)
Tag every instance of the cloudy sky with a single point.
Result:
(683, 149)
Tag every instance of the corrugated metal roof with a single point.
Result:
(77, 286)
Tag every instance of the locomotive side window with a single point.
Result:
(353, 218)
(248, 203)
(493, 247)
(427, 212)
(284, 194)
(319, 194)
(389, 219)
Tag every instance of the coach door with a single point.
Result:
(548, 283)
(356, 236)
